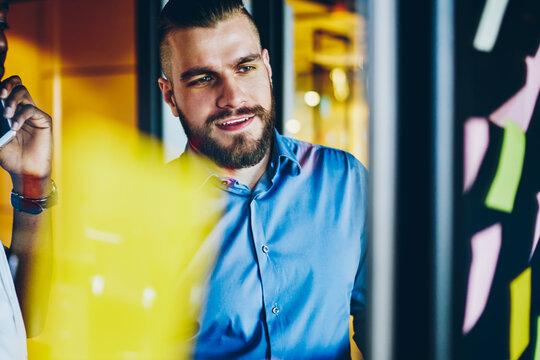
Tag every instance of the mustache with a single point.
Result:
(256, 110)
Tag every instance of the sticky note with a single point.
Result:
(537, 350)
(486, 246)
(489, 25)
(536, 229)
(503, 189)
(520, 307)
(475, 146)
(520, 107)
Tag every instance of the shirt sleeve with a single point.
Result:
(358, 302)
(12, 332)
(359, 293)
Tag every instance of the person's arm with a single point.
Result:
(27, 158)
(359, 293)
(32, 246)
(358, 306)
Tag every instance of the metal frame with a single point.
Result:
(148, 68)
(413, 179)
(444, 324)
(382, 183)
(269, 17)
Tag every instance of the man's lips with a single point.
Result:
(235, 123)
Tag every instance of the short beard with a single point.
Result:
(244, 151)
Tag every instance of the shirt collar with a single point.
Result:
(197, 167)
(283, 157)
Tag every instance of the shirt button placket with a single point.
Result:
(268, 275)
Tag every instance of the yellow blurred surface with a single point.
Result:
(128, 258)
(75, 57)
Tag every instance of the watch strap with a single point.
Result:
(32, 205)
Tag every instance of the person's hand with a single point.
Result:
(28, 156)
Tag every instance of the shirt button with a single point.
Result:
(275, 310)
(265, 249)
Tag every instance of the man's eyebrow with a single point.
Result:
(195, 71)
(249, 58)
(200, 70)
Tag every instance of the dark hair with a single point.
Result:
(181, 14)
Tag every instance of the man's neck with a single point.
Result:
(249, 176)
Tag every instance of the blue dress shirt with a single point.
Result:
(291, 266)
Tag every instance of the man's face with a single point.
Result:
(220, 88)
(3, 40)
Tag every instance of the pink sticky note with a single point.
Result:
(536, 228)
(475, 147)
(486, 246)
(520, 107)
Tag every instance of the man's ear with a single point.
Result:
(266, 61)
(168, 95)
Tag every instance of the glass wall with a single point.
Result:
(325, 67)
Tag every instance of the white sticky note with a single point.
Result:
(520, 107)
(490, 23)
(476, 141)
(536, 229)
(486, 246)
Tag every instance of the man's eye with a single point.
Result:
(246, 68)
(200, 81)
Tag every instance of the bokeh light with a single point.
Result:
(312, 98)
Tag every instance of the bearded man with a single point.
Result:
(290, 269)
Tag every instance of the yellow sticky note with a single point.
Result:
(520, 307)
(503, 190)
(537, 351)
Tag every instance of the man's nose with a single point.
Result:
(232, 95)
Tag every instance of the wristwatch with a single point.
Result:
(32, 205)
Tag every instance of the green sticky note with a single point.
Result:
(537, 350)
(520, 307)
(503, 190)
